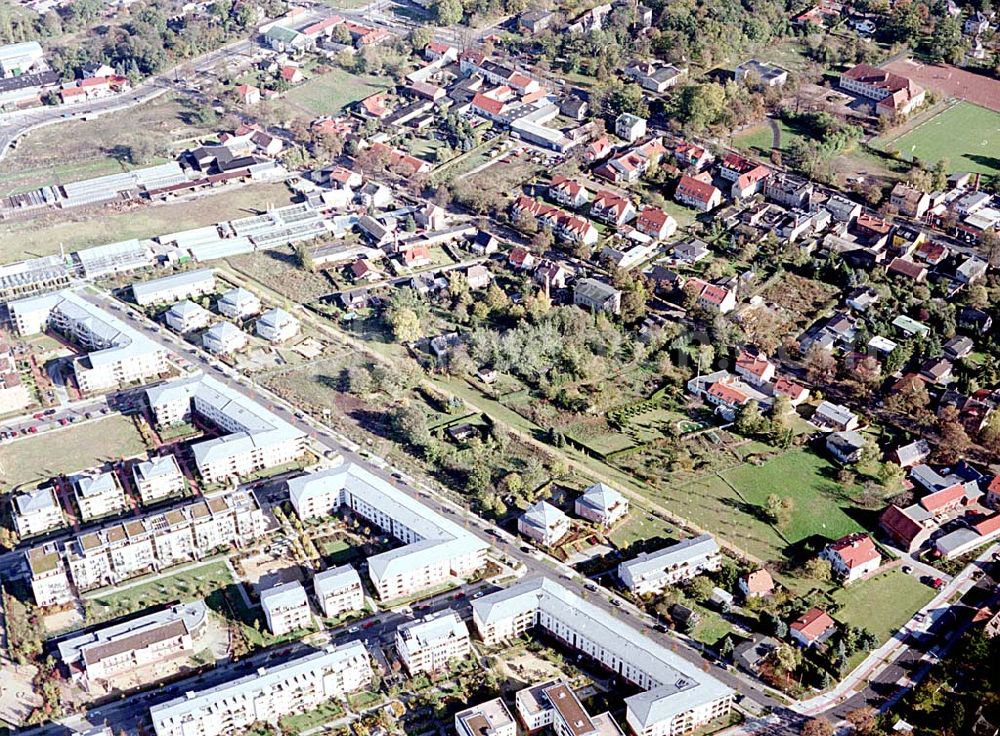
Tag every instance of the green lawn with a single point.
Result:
(966, 135)
(711, 628)
(328, 94)
(68, 450)
(639, 526)
(883, 603)
(808, 479)
(300, 722)
(188, 585)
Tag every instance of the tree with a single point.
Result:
(305, 257)
(700, 589)
(700, 105)
(946, 42)
(817, 727)
(410, 423)
(448, 12)
(821, 366)
(953, 440)
(748, 419)
(405, 325)
(779, 510)
(818, 569)
(787, 658)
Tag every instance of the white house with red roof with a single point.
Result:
(749, 182)
(756, 584)
(655, 223)
(374, 106)
(611, 208)
(551, 275)
(248, 94)
(291, 74)
(691, 154)
(795, 393)
(754, 367)
(436, 50)
(568, 192)
(852, 557)
(521, 258)
(596, 150)
(811, 628)
(894, 94)
(711, 296)
(699, 194)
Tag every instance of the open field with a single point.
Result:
(188, 585)
(950, 81)
(81, 149)
(966, 135)
(883, 603)
(329, 93)
(68, 450)
(278, 269)
(86, 227)
(639, 526)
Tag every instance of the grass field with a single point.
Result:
(883, 603)
(68, 450)
(966, 135)
(640, 526)
(78, 229)
(81, 149)
(278, 269)
(328, 94)
(188, 585)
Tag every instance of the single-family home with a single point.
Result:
(543, 523)
(812, 628)
(701, 195)
(845, 446)
(852, 557)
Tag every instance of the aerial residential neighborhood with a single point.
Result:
(432, 367)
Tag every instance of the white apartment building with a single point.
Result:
(49, 581)
(117, 354)
(185, 285)
(158, 478)
(239, 303)
(555, 704)
(136, 643)
(435, 548)
(255, 439)
(651, 572)
(36, 512)
(267, 695)
(286, 608)
(159, 541)
(602, 505)
(277, 325)
(187, 316)
(339, 590)
(430, 643)
(224, 338)
(678, 697)
(486, 719)
(98, 495)
(543, 523)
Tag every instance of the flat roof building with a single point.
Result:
(286, 608)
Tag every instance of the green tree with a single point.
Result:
(448, 12)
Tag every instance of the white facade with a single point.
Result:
(98, 495)
(652, 572)
(677, 697)
(486, 719)
(429, 644)
(254, 438)
(49, 581)
(435, 547)
(339, 590)
(187, 316)
(158, 478)
(602, 505)
(239, 303)
(117, 354)
(224, 338)
(543, 523)
(36, 512)
(286, 608)
(294, 687)
(174, 288)
(277, 325)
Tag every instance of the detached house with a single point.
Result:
(568, 192)
(909, 201)
(655, 223)
(602, 505)
(812, 628)
(630, 127)
(597, 296)
(711, 296)
(852, 557)
(609, 207)
(543, 523)
(701, 195)
(754, 368)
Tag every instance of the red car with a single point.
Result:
(937, 583)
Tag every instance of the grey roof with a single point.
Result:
(264, 680)
(39, 499)
(186, 308)
(439, 538)
(239, 297)
(275, 318)
(595, 290)
(680, 685)
(258, 427)
(147, 291)
(157, 467)
(285, 595)
(834, 412)
(542, 514)
(191, 614)
(600, 497)
(88, 486)
(123, 341)
(427, 631)
(334, 579)
(653, 564)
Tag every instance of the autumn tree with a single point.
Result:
(817, 727)
(953, 440)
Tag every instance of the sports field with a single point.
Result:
(966, 135)
(329, 93)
